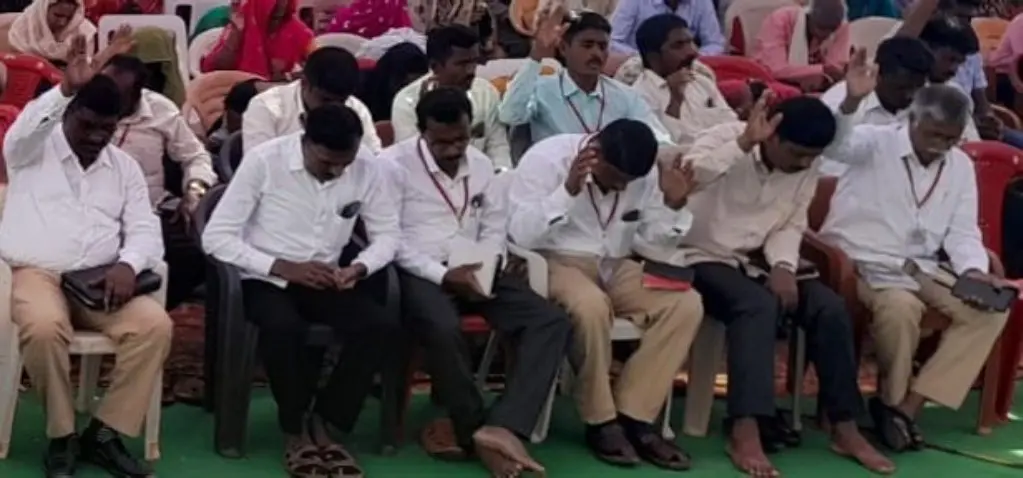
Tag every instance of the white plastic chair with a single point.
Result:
(201, 45)
(197, 8)
(751, 14)
(869, 32)
(108, 24)
(348, 41)
(494, 69)
(91, 346)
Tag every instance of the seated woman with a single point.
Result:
(805, 46)
(46, 28)
(264, 37)
(156, 48)
(94, 9)
(370, 18)
(401, 65)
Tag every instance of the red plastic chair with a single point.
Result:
(737, 68)
(7, 115)
(997, 165)
(25, 73)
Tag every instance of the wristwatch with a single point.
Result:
(196, 186)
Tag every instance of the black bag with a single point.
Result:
(78, 285)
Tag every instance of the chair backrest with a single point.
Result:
(190, 11)
(25, 75)
(8, 114)
(869, 32)
(385, 131)
(736, 68)
(997, 165)
(989, 32)
(204, 210)
(201, 45)
(205, 96)
(108, 24)
(347, 41)
(821, 203)
(744, 18)
(6, 20)
(229, 158)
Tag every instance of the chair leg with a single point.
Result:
(394, 385)
(666, 430)
(153, 420)
(88, 376)
(987, 416)
(543, 422)
(487, 361)
(10, 379)
(797, 371)
(704, 358)
(236, 360)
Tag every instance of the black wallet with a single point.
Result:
(973, 291)
(78, 285)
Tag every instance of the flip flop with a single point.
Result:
(893, 427)
(661, 452)
(339, 462)
(304, 462)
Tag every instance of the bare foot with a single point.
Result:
(746, 452)
(499, 465)
(504, 442)
(847, 441)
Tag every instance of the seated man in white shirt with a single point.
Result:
(450, 207)
(580, 200)
(151, 128)
(909, 193)
(757, 181)
(330, 75)
(454, 53)
(75, 202)
(285, 218)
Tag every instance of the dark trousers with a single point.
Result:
(751, 313)
(293, 367)
(186, 264)
(540, 331)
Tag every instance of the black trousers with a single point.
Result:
(293, 367)
(186, 264)
(751, 313)
(539, 329)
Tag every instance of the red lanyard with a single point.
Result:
(459, 214)
(578, 116)
(596, 209)
(912, 185)
(124, 135)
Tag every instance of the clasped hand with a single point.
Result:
(317, 275)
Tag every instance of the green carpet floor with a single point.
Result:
(187, 448)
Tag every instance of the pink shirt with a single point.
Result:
(775, 38)
(1004, 57)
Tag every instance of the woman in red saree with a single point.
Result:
(94, 9)
(370, 18)
(264, 37)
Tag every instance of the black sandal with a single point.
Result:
(661, 452)
(895, 429)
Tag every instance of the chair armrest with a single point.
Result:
(835, 267)
(996, 268)
(160, 295)
(536, 265)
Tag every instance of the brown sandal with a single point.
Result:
(304, 461)
(439, 441)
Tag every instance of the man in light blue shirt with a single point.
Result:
(699, 14)
(579, 99)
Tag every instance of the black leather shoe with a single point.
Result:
(61, 457)
(103, 447)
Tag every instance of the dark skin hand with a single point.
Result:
(118, 286)
(782, 283)
(315, 275)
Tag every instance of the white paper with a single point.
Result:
(467, 252)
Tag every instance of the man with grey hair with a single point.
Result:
(807, 46)
(910, 196)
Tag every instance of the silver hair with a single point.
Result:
(942, 103)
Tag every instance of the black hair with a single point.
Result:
(582, 21)
(806, 121)
(654, 31)
(903, 54)
(950, 33)
(629, 146)
(240, 95)
(442, 41)
(335, 127)
(100, 96)
(443, 105)
(332, 70)
(132, 66)
(381, 85)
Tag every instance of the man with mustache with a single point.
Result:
(755, 181)
(679, 89)
(454, 52)
(579, 99)
(910, 193)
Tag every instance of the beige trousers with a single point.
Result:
(669, 321)
(141, 330)
(947, 377)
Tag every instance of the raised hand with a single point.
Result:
(861, 77)
(79, 71)
(759, 126)
(549, 29)
(676, 182)
(120, 44)
(678, 81)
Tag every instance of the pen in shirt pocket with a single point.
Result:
(350, 210)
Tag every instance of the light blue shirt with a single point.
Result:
(546, 103)
(699, 14)
(970, 74)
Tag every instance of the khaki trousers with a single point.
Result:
(947, 377)
(669, 321)
(141, 330)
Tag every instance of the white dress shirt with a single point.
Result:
(870, 111)
(61, 217)
(278, 111)
(874, 217)
(274, 209)
(430, 229)
(488, 134)
(157, 128)
(544, 216)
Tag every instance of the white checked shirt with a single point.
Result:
(61, 217)
(274, 209)
(430, 228)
